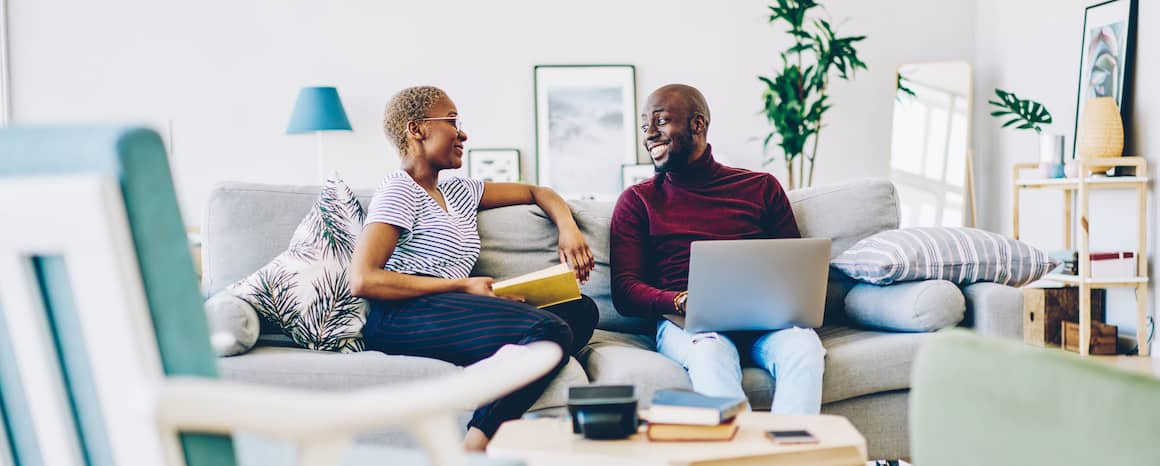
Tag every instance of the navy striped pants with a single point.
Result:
(462, 329)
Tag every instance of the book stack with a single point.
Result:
(679, 415)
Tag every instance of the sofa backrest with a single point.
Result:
(247, 224)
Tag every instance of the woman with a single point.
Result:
(420, 242)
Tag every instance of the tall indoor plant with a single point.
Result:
(795, 98)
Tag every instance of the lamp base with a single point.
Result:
(321, 167)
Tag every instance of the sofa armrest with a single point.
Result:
(994, 310)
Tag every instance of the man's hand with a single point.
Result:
(574, 251)
(680, 302)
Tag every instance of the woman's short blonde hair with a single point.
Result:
(409, 104)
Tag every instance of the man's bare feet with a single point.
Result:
(475, 440)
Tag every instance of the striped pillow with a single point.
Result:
(959, 255)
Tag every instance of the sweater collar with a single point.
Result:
(698, 172)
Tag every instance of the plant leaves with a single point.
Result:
(1028, 113)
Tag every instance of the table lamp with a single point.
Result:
(318, 109)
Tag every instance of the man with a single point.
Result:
(693, 197)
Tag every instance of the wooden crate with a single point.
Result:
(1103, 339)
(1045, 308)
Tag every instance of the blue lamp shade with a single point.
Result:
(318, 109)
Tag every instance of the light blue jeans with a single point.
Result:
(793, 356)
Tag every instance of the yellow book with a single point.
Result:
(543, 288)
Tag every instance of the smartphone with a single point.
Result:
(791, 436)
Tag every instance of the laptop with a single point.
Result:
(758, 284)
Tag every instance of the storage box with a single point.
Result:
(1103, 339)
(1113, 265)
(1045, 308)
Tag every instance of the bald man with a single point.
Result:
(693, 197)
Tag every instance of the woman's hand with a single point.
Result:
(482, 286)
(478, 286)
(574, 251)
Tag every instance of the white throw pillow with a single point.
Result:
(305, 290)
(959, 255)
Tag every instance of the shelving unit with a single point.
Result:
(1079, 189)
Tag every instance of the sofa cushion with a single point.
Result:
(301, 368)
(960, 255)
(613, 358)
(922, 306)
(861, 362)
(858, 362)
(845, 213)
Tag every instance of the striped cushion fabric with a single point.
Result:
(959, 255)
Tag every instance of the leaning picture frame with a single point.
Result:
(494, 165)
(1106, 55)
(585, 128)
(635, 173)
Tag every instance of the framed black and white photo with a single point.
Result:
(494, 165)
(635, 173)
(1105, 65)
(585, 128)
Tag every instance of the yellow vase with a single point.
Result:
(1101, 132)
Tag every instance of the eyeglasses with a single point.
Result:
(455, 121)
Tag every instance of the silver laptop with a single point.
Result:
(763, 284)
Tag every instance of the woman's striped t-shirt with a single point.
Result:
(433, 241)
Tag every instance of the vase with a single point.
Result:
(1100, 132)
(1051, 155)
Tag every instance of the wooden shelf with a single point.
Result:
(1094, 182)
(1078, 191)
(1096, 282)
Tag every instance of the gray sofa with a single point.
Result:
(867, 375)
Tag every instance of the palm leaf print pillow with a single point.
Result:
(305, 290)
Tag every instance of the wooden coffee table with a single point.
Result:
(551, 442)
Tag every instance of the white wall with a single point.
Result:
(1032, 47)
(226, 73)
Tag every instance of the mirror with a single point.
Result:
(930, 161)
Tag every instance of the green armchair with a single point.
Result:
(979, 401)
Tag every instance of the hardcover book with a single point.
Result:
(542, 288)
(687, 432)
(686, 407)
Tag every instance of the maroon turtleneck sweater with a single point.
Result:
(655, 222)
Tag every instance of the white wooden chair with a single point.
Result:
(104, 351)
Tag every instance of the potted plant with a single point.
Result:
(795, 99)
(1029, 114)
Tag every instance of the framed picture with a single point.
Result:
(494, 165)
(635, 173)
(585, 128)
(1105, 64)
